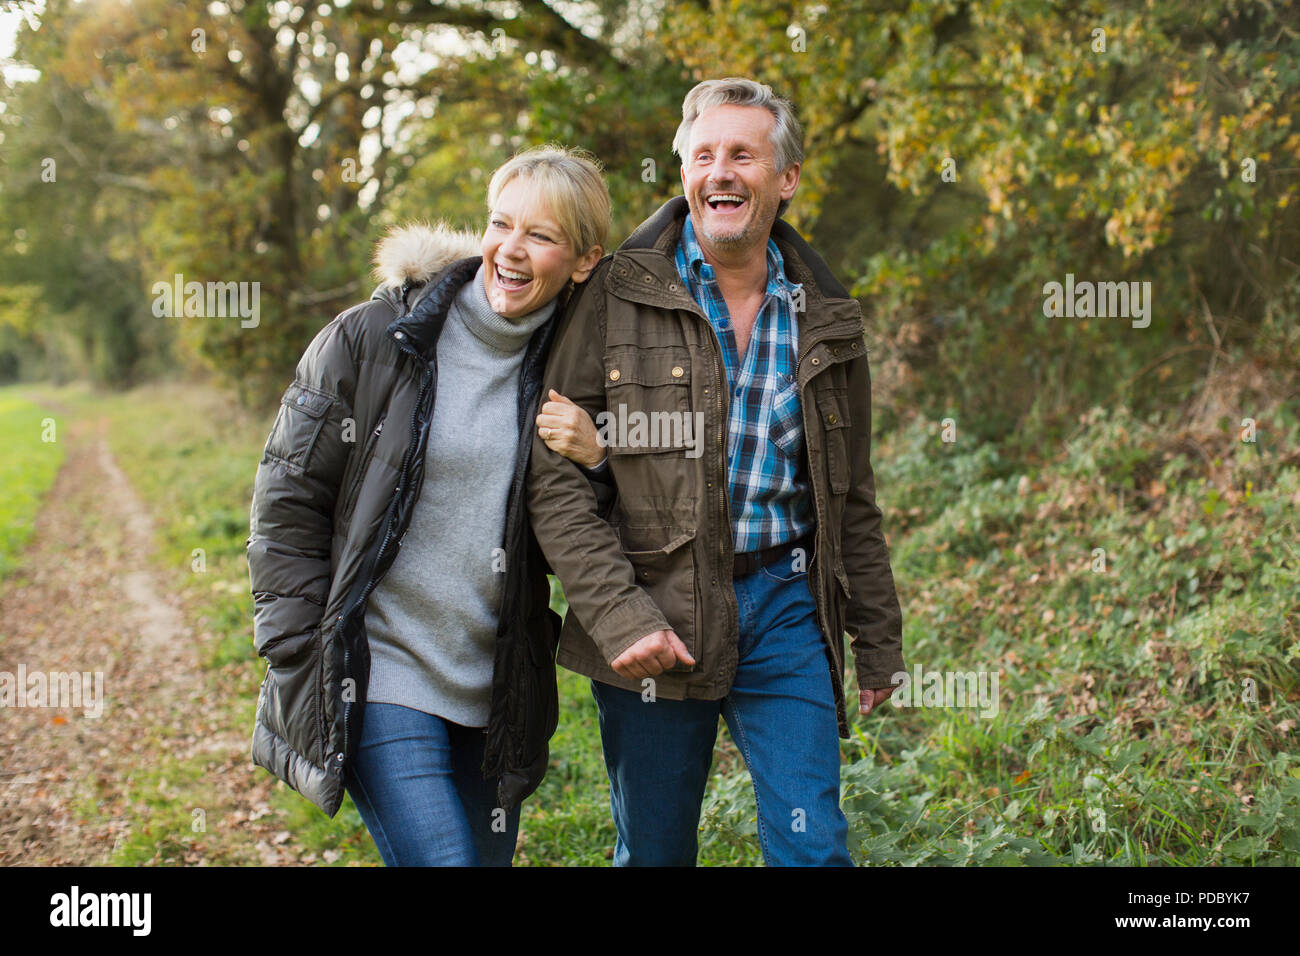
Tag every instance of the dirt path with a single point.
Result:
(87, 600)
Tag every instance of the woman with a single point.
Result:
(390, 652)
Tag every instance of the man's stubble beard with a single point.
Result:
(747, 235)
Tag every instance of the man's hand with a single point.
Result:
(653, 654)
(869, 699)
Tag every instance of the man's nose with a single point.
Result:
(722, 172)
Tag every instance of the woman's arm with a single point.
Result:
(297, 485)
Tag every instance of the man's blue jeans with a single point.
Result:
(417, 782)
(781, 713)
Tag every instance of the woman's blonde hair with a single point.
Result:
(570, 184)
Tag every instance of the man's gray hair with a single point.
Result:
(787, 133)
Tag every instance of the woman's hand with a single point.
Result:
(568, 430)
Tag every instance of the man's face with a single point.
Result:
(730, 177)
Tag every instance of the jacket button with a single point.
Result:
(649, 278)
(854, 346)
(677, 371)
(832, 418)
(302, 399)
(613, 375)
(817, 361)
(400, 336)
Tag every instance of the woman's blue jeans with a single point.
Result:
(417, 781)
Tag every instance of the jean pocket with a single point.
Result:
(793, 566)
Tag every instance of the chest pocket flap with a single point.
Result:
(298, 425)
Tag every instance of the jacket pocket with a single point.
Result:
(297, 426)
(833, 410)
(292, 693)
(667, 574)
(647, 401)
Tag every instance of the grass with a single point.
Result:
(31, 460)
(1134, 589)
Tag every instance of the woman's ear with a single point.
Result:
(586, 263)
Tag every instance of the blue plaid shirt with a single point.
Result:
(770, 503)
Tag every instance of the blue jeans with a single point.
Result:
(417, 782)
(781, 713)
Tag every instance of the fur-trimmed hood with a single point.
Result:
(418, 251)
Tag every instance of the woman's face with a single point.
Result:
(526, 258)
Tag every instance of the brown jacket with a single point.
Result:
(634, 337)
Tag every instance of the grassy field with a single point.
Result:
(1135, 592)
(31, 460)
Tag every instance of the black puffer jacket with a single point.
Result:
(339, 478)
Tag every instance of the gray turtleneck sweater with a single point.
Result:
(432, 620)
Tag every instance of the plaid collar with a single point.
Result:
(692, 255)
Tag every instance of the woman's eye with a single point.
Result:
(541, 236)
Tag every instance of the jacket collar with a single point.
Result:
(662, 230)
(642, 270)
(421, 326)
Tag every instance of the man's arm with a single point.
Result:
(874, 620)
(581, 547)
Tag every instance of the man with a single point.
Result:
(740, 549)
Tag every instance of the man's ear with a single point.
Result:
(790, 180)
(586, 263)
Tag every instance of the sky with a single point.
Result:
(9, 23)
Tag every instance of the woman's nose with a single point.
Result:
(512, 244)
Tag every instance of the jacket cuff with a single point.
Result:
(875, 669)
(626, 624)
